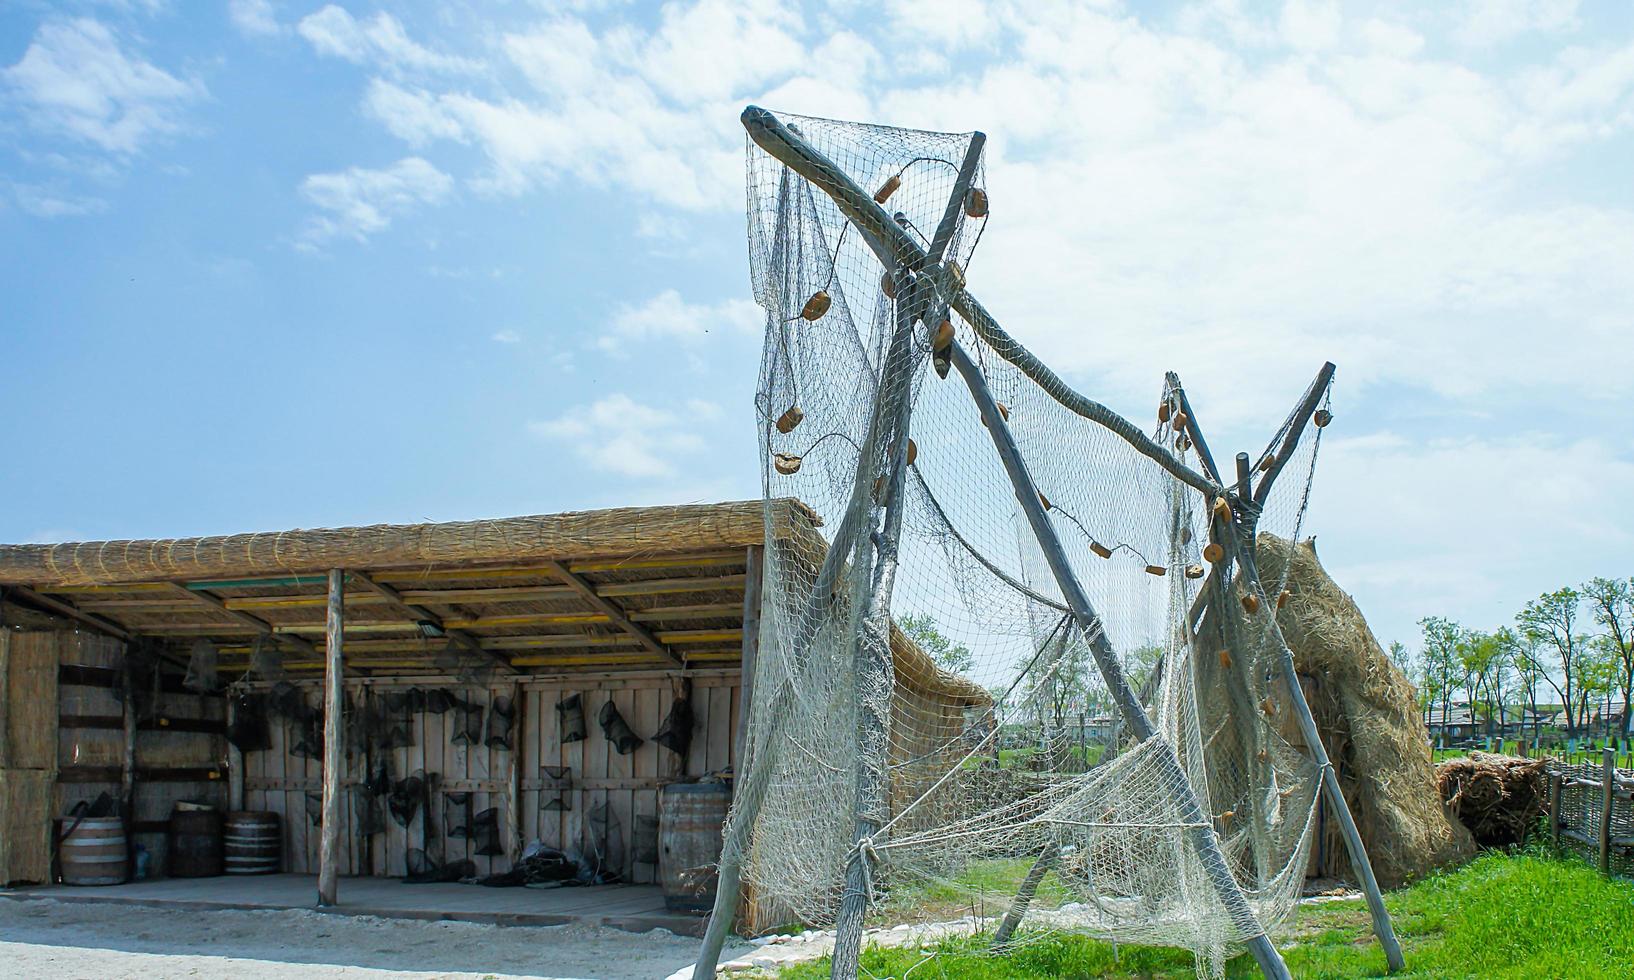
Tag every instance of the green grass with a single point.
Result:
(1501, 916)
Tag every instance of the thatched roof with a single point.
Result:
(627, 588)
(623, 531)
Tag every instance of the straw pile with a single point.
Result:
(1500, 798)
(1386, 767)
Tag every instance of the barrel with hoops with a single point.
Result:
(253, 842)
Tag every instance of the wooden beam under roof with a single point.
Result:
(418, 614)
(614, 612)
(245, 619)
(101, 624)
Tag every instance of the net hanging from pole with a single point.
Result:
(997, 747)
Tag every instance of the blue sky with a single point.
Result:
(278, 264)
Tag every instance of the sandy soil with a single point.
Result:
(42, 939)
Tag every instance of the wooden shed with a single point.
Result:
(503, 625)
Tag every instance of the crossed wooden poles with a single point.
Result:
(928, 287)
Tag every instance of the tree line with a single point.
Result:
(1573, 647)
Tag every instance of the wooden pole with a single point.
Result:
(1201, 825)
(333, 676)
(519, 722)
(235, 760)
(1556, 791)
(1359, 863)
(127, 771)
(873, 664)
(754, 571)
(1608, 787)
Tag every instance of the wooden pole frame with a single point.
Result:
(897, 250)
(1239, 535)
(333, 733)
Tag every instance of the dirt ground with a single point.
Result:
(44, 939)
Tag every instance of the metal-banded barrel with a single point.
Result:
(94, 852)
(690, 817)
(253, 842)
(195, 843)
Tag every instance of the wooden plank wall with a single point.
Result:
(180, 740)
(279, 781)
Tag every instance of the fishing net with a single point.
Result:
(971, 731)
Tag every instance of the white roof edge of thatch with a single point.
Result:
(573, 535)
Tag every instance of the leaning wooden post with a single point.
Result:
(333, 678)
(1608, 787)
(1241, 547)
(872, 658)
(1199, 825)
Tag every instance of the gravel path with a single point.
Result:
(43, 939)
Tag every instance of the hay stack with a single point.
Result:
(1500, 798)
(1385, 767)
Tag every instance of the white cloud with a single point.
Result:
(380, 40)
(1487, 22)
(255, 18)
(669, 316)
(507, 337)
(77, 80)
(621, 436)
(1466, 527)
(44, 202)
(358, 202)
(412, 115)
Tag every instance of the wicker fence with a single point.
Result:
(1591, 809)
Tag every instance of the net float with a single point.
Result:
(913, 451)
(1183, 443)
(1323, 417)
(786, 464)
(1163, 411)
(1004, 412)
(1194, 571)
(887, 285)
(1156, 570)
(1225, 659)
(1226, 816)
(1269, 707)
(943, 338)
(1251, 602)
(1222, 509)
(1212, 552)
(789, 419)
(1283, 597)
(976, 202)
(887, 189)
(1180, 419)
(816, 306)
(1100, 549)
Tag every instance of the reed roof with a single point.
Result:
(627, 588)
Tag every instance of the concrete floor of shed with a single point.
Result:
(634, 908)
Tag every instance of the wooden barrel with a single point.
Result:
(94, 852)
(195, 843)
(254, 843)
(690, 819)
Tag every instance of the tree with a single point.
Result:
(1530, 669)
(953, 657)
(1441, 660)
(1552, 620)
(1611, 602)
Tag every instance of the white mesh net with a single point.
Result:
(986, 739)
